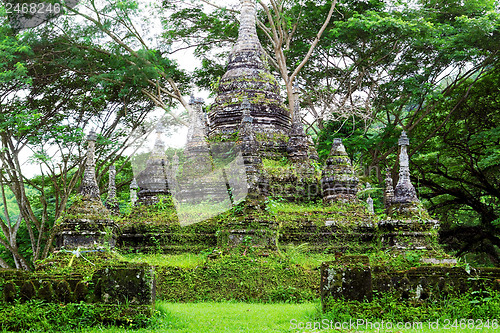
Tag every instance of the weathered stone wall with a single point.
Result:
(330, 238)
(132, 284)
(352, 278)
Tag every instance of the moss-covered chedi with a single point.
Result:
(247, 76)
(338, 182)
(152, 181)
(87, 222)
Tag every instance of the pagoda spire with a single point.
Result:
(404, 191)
(247, 33)
(89, 188)
(389, 189)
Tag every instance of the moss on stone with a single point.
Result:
(272, 137)
(223, 137)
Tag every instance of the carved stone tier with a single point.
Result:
(338, 181)
(409, 234)
(247, 76)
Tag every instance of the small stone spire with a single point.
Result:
(112, 184)
(133, 191)
(159, 146)
(389, 189)
(88, 225)
(111, 202)
(198, 127)
(89, 188)
(338, 181)
(404, 191)
(198, 118)
(153, 179)
(197, 153)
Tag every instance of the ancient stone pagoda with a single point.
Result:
(252, 154)
(338, 182)
(153, 181)
(87, 223)
(409, 225)
(404, 197)
(247, 76)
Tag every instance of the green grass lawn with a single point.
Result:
(247, 317)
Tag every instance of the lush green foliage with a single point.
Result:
(58, 93)
(478, 305)
(38, 316)
(247, 317)
(291, 277)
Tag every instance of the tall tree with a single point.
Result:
(459, 168)
(50, 97)
(124, 33)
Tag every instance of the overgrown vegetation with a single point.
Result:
(477, 306)
(40, 316)
(242, 278)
